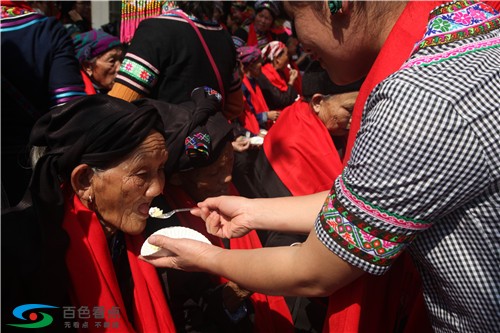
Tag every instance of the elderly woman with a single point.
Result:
(199, 167)
(260, 32)
(100, 56)
(101, 164)
(401, 190)
(280, 83)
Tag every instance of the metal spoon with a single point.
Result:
(171, 213)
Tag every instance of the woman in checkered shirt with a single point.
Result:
(423, 173)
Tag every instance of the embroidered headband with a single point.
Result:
(273, 50)
(90, 44)
(249, 54)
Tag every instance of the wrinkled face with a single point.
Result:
(341, 46)
(106, 68)
(335, 112)
(123, 194)
(263, 21)
(212, 180)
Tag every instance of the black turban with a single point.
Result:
(196, 131)
(316, 81)
(98, 130)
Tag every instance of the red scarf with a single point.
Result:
(370, 293)
(247, 118)
(274, 77)
(253, 39)
(257, 98)
(258, 101)
(89, 86)
(408, 30)
(309, 146)
(94, 282)
(271, 312)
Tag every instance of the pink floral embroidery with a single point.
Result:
(463, 18)
(452, 53)
(129, 67)
(477, 14)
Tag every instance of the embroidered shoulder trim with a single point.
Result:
(20, 22)
(11, 12)
(451, 7)
(457, 21)
(138, 72)
(378, 212)
(367, 243)
(66, 94)
(457, 52)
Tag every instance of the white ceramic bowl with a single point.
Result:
(172, 232)
(256, 140)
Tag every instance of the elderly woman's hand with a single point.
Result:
(293, 76)
(188, 255)
(241, 144)
(273, 115)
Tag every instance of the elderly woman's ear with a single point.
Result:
(81, 180)
(316, 102)
(88, 67)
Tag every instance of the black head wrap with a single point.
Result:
(98, 130)
(196, 131)
(316, 81)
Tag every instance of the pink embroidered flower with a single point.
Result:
(462, 18)
(129, 67)
(477, 14)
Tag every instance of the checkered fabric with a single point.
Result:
(424, 175)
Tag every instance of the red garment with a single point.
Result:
(247, 118)
(274, 77)
(345, 307)
(407, 31)
(89, 86)
(252, 39)
(271, 312)
(94, 282)
(308, 146)
(258, 101)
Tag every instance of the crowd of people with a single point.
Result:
(341, 157)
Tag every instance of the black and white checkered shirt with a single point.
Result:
(424, 174)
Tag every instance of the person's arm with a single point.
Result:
(233, 216)
(275, 98)
(307, 270)
(121, 91)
